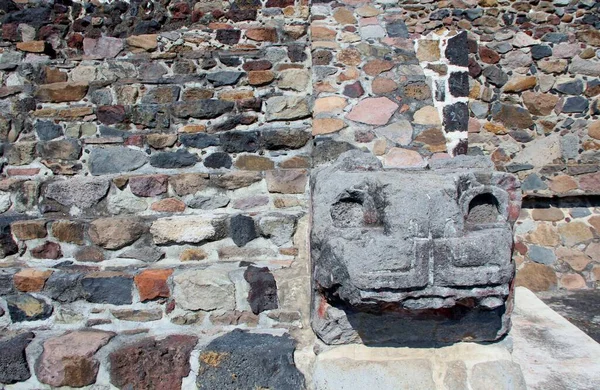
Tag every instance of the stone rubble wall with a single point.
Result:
(155, 159)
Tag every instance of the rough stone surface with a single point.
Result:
(185, 229)
(115, 233)
(81, 192)
(223, 362)
(68, 360)
(263, 289)
(350, 208)
(26, 307)
(207, 289)
(152, 363)
(115, 160)
(13, 361)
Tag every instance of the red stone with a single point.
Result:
(152, 284)
(152, 364)
(488, 56)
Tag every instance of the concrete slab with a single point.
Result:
(459, 366)
(553, 353)
(580, 307)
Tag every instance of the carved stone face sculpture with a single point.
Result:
(412, 257)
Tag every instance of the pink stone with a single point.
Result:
(103, 47)
(68, 360)
(590, 182)
(474, 125)
(373, 111)
(403, 158)
(148, 185)
(250, 202)
(369, 21)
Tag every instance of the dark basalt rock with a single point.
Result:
(242, 229)
(13, 361)
(224, 363)
(218, 160)
(240, 141)
(458, 83)
(263, 289)
(456, 117)
(457, 50)
(108, 288)
(64, 287)
(202, 109)
(219, 79)
(199, 140)
(178, 159)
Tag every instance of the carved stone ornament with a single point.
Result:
(412, 257)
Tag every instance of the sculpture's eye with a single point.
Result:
(357, 208)
(347, 212)
(483, 208)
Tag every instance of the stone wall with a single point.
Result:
(155, 159)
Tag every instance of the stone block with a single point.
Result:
(386, 243)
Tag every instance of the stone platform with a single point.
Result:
(542, 351)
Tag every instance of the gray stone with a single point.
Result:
(6, 282)
(279, 228)
(64, 287)
(575, 104)
(118, 159)
(287, 108)
(148, 254)
(569, 86)
(583, 67)
(533, 182)
(500, 374)
(378, 267)
(274, 369)
(569, 146)
(179, 159)
(540, 51)
(199, 140)
(218, 79)
(494, 75)
(397, 29)
(47, 130)
(580, 212)
(83, 192)
(108, 287)
(208, 289)
(208, 202)
(13, 361)
(202, 109)
(542, 255)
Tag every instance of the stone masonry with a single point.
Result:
(155, 161)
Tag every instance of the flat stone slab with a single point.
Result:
(454, 367)
(553, 353)
(580, 307)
